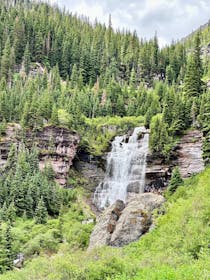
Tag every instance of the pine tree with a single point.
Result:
(54, 115)
(176, 180)
(192, 81)
(41, 212)
(74, 76)
(160, 140)
(133, 78)
(3, 258)
(8, 247)
(19, 39)
(4, 212)
(11, 212)
(5, 61)
(170, 75)
(29, 203)
(27, 59)
(33, 160)
(120, 106)
(65, 60)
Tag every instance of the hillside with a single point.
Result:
(67, 89)
(178, 248)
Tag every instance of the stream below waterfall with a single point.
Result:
(125, 169)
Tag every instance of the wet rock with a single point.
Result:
(19, 261)
(118, 228)
(133, 187)
(157, 174)
(115, 215)
(88, 221)
(90, 167)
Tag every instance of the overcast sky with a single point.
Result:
(171, 19)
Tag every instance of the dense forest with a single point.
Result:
(56, 67)
(60, 69)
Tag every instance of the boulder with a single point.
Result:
(133, 187)
(19, 261)
(121, 224)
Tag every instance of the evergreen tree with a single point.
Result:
(192, 81)
(11, 212)
(27, 59)
(4, 212)
(54, 115)
(5, 61)
(41, 212)
(74, 76)
(170, 75)
(29, 203)
(176, 180)
(160, 140)
(8, 244)
(3, 258)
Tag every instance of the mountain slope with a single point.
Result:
(59, 70)
(178, 248)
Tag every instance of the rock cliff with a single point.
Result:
(57, 146)
(90, 167)
(187, 155)
(121, 224)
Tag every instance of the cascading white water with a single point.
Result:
(125, 171)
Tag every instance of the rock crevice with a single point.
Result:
(121, 224)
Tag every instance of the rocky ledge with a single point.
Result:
(121, 224)
(187, 155)
(57, 147)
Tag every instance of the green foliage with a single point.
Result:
(160, 141)
(6, 249)
(5, 61)
(63, 118)
(176, 249)
(41, 212)
(98, 132)
(3, 127)
(192, 82)
(175, 181)
(99, 82)
(204, 119)
(27, 59)
(24, 190)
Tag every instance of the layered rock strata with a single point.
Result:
(57, 147)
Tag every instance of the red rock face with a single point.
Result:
(187, 156)
(57, 147)
(190, 159)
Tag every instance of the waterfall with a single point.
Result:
(125, 170)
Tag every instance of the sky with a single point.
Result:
(170, 19)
